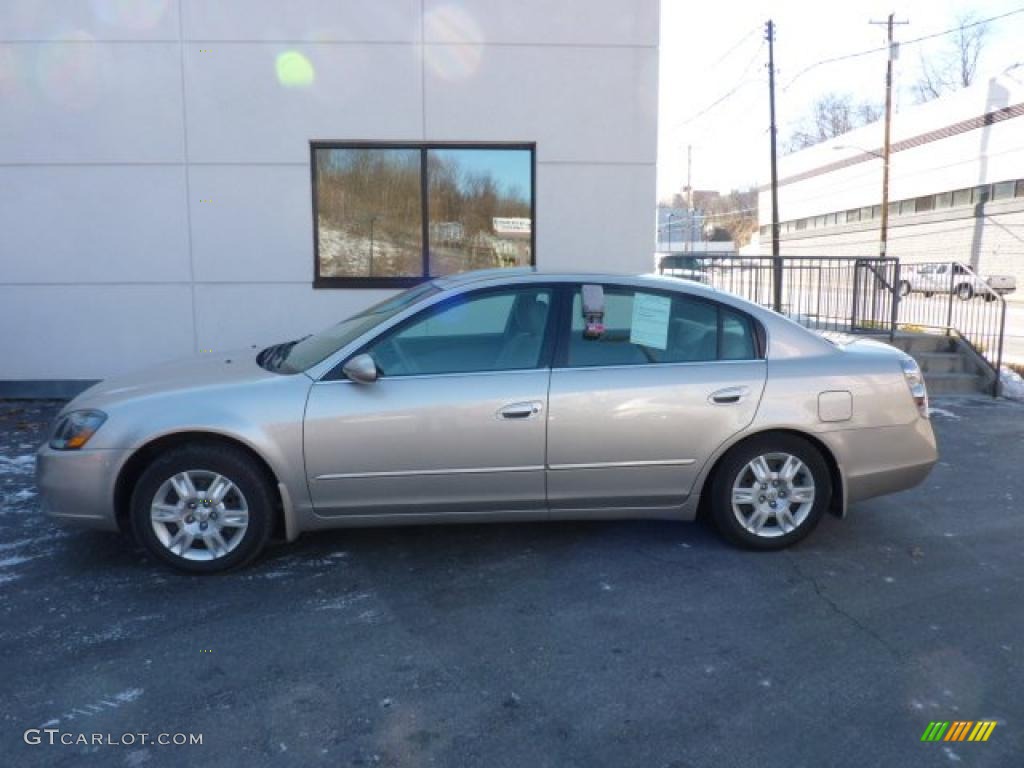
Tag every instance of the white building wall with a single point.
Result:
(155, 192)
(984, 155)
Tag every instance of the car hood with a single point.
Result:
(211, 371)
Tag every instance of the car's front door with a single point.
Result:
(454, 423)
(635, 410)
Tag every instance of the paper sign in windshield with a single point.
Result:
(650, 320)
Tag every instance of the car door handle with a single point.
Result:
(520, 410)
(729, 395)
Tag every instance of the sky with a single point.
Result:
(711, 49)
(510, 168)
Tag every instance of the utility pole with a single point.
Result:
(776, 259)
(883, 240)
(689, 199)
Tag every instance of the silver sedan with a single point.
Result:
(500, 395)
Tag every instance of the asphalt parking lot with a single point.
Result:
(601, 644)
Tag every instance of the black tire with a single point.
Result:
(735, 463)
(233, 464)
(964, 292)
(990, 297)
(929, 294)
(904, 288)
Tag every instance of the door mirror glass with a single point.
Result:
(361, 369)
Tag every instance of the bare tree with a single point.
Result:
(955, 66)
(732, 216)
(832, 114)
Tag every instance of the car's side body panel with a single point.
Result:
(629, 441)
(421, 444)
(636, 436)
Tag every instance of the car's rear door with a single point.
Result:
(634, 413)
(455, 422)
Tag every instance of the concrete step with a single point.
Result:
(914, 343)
(940, 362)
(954, 384)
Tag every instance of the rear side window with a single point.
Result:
(644, 327)
(737, 340)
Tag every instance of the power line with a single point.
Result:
(912, 41)
(743, 82)
(746, 35)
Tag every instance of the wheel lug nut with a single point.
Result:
(202, 526)
(761, 498)
(772, 504)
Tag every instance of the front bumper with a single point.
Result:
(77, 487)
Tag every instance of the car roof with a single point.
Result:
(532, 274)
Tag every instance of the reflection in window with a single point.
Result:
(1002, 190)
(690, 328)
(479, 208)
(962, 197)
(371, 202)
(369, 213)
(489, 331)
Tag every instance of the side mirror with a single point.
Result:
(361, 369)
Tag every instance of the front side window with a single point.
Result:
(643, 327)
(490, 331)
(398, 214)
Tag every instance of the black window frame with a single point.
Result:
(564, 319)
(407, 281)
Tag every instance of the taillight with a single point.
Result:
(915, 381)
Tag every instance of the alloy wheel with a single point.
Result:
(199, 515)
(773, 495)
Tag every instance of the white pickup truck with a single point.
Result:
(955, 277)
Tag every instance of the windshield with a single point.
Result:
(311, 350)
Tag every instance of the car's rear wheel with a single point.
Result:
(904, 287)
(964, 292)
(770, 492)
(202, 508)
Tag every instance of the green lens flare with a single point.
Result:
(294, 70)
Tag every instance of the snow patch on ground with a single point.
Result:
(18, 465)
(943, 412)
(88, 710)
(13, 560)
(343, 602)
(1011, 384)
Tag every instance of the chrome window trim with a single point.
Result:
(625, 464)
(427, 472)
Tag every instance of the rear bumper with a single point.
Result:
(77, 487)
(881, 460)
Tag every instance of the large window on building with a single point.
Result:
(397, 214)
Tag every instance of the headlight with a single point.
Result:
(915, 381)
(74, 429)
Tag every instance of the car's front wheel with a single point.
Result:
(202, 508)
(770, 492)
